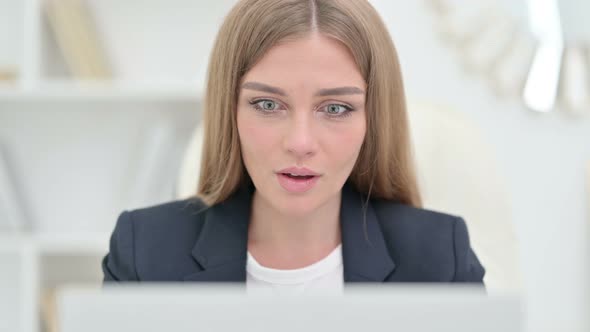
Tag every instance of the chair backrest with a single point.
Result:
(457, 173)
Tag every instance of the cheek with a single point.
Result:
(345, 146)
(256, 138)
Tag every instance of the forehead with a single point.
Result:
(314, 59)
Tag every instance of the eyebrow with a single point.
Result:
(345, 90)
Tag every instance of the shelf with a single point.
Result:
(74, 243)
(56, 128)
(104, 91)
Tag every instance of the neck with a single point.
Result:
(285, 241)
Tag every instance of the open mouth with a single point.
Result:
(297, 183)
(298, 177)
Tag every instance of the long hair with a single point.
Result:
(384, 168)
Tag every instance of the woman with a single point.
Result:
(306, 179)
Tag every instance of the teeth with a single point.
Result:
(297, 175)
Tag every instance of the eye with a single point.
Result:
(265, 105)
(337, 110)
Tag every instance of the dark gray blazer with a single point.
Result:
(187, 241)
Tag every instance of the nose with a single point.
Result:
(300, 138)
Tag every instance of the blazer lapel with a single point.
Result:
(221, 249)
(222, 245)
(364, 250)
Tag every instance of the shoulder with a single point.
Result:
(160, 233)
(406, 222)
(175, 221)
(428, 242)
(173, 216)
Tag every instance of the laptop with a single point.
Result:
(225, 307)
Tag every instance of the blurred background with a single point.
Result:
(100, 105)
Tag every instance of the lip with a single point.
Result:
(296, 186)
(301, 171)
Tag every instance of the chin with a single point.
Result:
(298, 205)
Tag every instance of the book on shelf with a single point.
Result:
(49, 314)
(7, 74)
(77, 37)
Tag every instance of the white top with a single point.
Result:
(325, 276)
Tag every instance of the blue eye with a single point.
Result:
(338, 110)
(270, 106)
(265, 105)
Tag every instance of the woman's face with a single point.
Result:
(301, 122)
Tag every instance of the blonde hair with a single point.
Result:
(384, 168)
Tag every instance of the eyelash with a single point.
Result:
(346, 113)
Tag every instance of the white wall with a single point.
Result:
(543, 156)
(10, 39)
